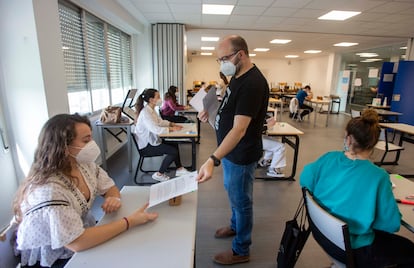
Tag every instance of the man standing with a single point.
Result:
(238, 126)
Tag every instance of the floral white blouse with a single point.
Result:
(57, 213)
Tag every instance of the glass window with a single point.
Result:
(97, 60)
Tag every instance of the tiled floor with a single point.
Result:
(274, 201)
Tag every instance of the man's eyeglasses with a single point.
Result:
(228, 57)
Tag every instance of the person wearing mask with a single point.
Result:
(148, 128)
(274, 156)
(302, 95)
(238, 124)
(170, 106)
(53, 203)
(355, 190)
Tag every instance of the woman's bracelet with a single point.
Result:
(127, 223)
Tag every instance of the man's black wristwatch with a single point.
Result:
(216, 161)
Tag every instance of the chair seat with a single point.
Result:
(381, 145)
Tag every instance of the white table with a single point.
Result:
(403, 188)
(169, 241)
(193, 112)
(406, 131)
(286, 131)
(188, 132)
(319, 104)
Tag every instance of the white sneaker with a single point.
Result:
(264, 162)
(160, 177)
(276, 173)
(181, 171)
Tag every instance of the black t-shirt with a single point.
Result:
(247, 95)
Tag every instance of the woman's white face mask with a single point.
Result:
(158, 103)
(87, 154)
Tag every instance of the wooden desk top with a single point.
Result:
(403, 188)
(400, 127)
(274, 100)
(283, 129)
(169, 241)
(319, 101)
(189, 130)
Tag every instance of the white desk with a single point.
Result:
(273, 103)
(188, 132)
(169, 241)
(388, 113)
(193, 112)
(319, 104)
(286, 131)
(405, 132)
(102, 143)
(403, 188)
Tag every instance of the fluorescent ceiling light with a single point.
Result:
(209, 39)
(312, 51)
(403, 47)
(260, 49)
(291, 56)
(217, 9)
(339, 15)
(252, 55)
(345, 44)
(207, 48)
(367, 55)
(280, 41)
(206, 53)
(65, 47)
(371, 60)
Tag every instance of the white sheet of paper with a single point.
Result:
(211, 105)
(166, 190)
(197, 100)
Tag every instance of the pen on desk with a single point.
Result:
(404, 201)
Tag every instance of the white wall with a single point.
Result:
(20, 61)
(318, 71)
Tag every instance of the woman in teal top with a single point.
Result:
(351, 187)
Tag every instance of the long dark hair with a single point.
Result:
(365, 130)
(146, 95)
(51, 153)
(170, 94)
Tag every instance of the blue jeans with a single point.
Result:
(238, 182)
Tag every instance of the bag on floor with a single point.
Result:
(111, 115)
(294, 238)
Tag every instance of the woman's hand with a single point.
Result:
(175, 127)
(111, 204)
(140, 216)
(271, 122)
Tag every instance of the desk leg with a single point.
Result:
(198, 130)
(315, 111)
(129, 147)
(329, 112)
(103, 147)
(295, 146)
(193, 154)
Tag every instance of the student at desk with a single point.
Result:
(52, 205)
(170, 106)
(274, 155)
(148, 128)
(302, 95)
(351, 187)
